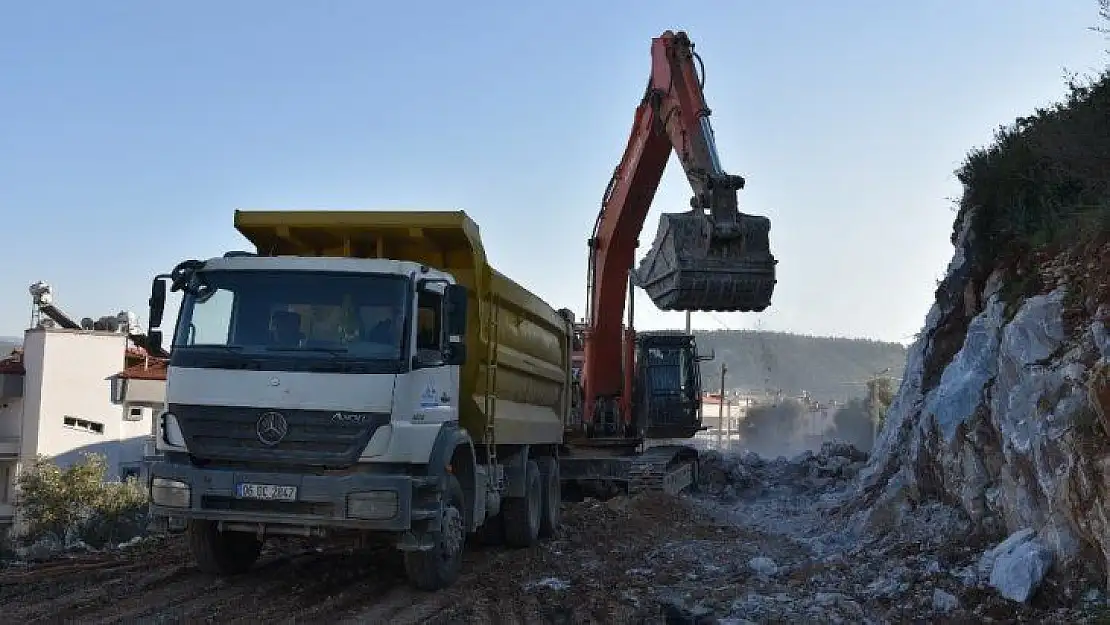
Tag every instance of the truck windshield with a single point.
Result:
(360, 315)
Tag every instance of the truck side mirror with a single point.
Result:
(456, 354)
(157, 301)
(455, 297)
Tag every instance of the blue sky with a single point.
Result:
(131, 131)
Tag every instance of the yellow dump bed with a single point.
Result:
(531, 344)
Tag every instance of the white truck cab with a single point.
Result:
(305, 394)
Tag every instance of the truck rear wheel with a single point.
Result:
(439, 567)
(522, 514)
(552, 495)
(221, 553)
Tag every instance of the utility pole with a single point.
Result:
(721, 406)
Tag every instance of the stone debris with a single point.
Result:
(815, 558)
(763, 566)
(762, 540)
(1017, 566)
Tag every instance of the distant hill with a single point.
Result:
(827, 368)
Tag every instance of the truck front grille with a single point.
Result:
(307, 508)
(311, 437)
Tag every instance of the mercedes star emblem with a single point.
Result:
(271, 428)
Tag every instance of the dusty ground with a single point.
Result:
(763, 542)
(156, 582)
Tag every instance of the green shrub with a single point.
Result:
(1044, 183)
(76, 502)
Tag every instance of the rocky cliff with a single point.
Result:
(1004, 409)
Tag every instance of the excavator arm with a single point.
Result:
(710, 258)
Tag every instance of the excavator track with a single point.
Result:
(668, 469)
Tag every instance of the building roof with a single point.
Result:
(155, 369)
(139, 364)
(13, 363)
(136, 352)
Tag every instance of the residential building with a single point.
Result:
(57, 400)
(141, 390)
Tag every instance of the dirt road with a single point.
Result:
(764, 542)
(295, 580)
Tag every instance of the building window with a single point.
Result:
(134, 413)
(119, 389)
(83, 424)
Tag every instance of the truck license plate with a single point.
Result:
(267, 492)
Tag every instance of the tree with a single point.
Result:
(57, 501)
(880, 395)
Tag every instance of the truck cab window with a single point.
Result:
(210, 321)
(429, 316)
(299, 313)
(285, 328)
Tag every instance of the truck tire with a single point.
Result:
(221, 553)
(522, 514)
(552, 495)
(439, 567)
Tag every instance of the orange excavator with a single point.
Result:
(638, 389)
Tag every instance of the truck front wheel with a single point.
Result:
(221, 553)
(439, 567)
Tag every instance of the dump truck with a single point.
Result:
(364, 372)
(370, 372)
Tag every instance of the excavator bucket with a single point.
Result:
(686, 269)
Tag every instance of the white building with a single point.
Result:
(141, 390)
(65, 395)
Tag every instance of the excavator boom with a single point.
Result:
(711, 258)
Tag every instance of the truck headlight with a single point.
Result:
(376, 505)
(169, 493)
(171, 431)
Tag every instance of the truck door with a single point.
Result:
(435, 383)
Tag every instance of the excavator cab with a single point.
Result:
(667, 396)
(690, 266)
